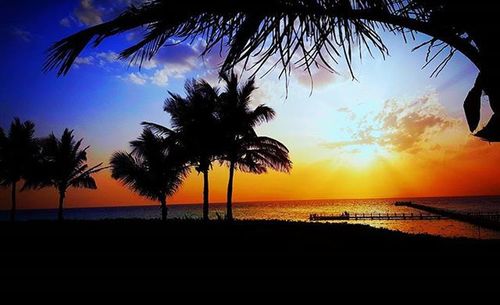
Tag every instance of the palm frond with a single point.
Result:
(153, 169)
(302, 33)
(262, 114)
(159, 129)
(264, 151)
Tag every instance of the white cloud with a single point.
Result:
(137, 78)
(86, 60)
(171, 70)
(65, 22)
(400, 126)
(146, 64)
(107, 57)
(158, 71)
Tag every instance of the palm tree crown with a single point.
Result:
(64, 165)
(195, 127)
(18, 153)
(155, 168)
(243, 148)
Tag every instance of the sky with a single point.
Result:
(392, 132)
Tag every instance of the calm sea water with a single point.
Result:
(300, 211)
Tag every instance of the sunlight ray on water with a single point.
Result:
(301, 209)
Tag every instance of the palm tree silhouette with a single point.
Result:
(307, 33)
(18, 154)
(155, 168)
(196, 128)
(243, 149)
(63, 165)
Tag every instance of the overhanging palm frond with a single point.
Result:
(303, 33)
(491, 132)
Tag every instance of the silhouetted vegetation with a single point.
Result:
(155, 168)
(210, 125)
(39, 163)
(62, 165)
(195, 127)
(243, 148)
(18, 155)
(308, 33)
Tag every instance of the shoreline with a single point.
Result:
(193, 221)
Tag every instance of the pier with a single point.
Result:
(376, 216)
(486, 220)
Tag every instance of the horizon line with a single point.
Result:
(252, 201)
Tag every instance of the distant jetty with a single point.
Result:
(489, 220)
(376, 216)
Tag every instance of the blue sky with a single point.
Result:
(105, 99)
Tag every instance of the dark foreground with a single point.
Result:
(246, 255)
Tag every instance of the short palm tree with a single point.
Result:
(64, 165)
(18, 153)
(155, 168)
(243, 149)
(196, 128)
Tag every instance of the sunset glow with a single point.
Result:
(392, 132)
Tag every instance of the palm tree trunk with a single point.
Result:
(164, 210)
(205, 195)
(60, 215)
(229, 213)
(13, 210)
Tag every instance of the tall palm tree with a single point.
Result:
(243, 149)
(307, 33)
(18, 154)
(64, 165)
(196, 128)
(155, 168)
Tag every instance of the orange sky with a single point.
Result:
(391, 133)
(465, 172)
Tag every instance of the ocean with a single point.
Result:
(299, 210)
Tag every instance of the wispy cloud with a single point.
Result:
(175, 62)
(319, 77)
(65, 22)
(400, 126)
(408, 125)
(137, 78)
(171, 70)
(88, 14)
(21, 34)
(84, 60)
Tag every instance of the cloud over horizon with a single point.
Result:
(400, 126)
